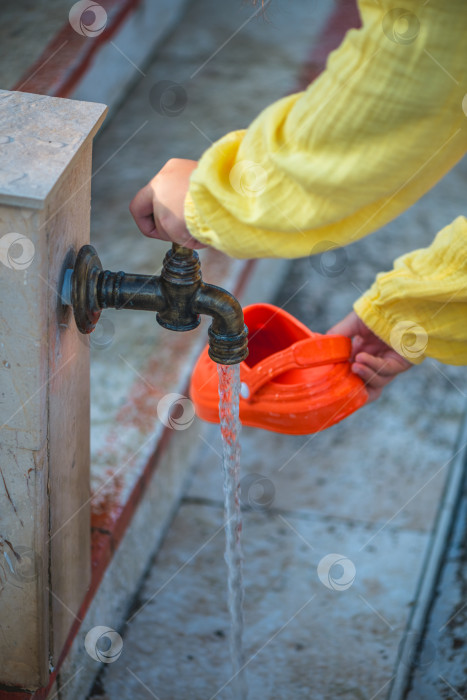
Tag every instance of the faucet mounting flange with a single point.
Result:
(86, 272)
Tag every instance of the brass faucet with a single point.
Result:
(178, 296)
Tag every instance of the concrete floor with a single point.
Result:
(367, 489)
(25, 32)
(441, 670)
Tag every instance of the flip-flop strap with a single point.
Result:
(311, 352)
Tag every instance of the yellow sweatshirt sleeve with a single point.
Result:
(378, 128)
(420, 307)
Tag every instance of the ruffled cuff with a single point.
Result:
(419, 307)
(406, 336)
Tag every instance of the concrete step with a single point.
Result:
(86, 50)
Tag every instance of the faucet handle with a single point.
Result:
(178, 249)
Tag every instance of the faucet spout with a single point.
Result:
(178, 296)
(228, 335)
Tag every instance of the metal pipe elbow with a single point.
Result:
(228, 335)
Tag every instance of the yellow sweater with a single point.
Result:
(378, 128)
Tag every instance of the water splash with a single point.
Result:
(229, 390)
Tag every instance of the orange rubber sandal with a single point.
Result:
(293, 381)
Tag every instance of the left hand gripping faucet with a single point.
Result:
(178, 295)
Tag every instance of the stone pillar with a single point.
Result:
(45, 186)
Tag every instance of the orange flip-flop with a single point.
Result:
(293, 380)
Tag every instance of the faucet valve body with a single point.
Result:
(178, 295)
(180, 279)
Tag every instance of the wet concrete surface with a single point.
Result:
(302, 639)
(441, 666)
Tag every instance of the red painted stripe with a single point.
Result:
(345, 16)
(68, 56)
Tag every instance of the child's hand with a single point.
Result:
(158, 207)
(374, 361)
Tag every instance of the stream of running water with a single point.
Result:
(229, 390)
